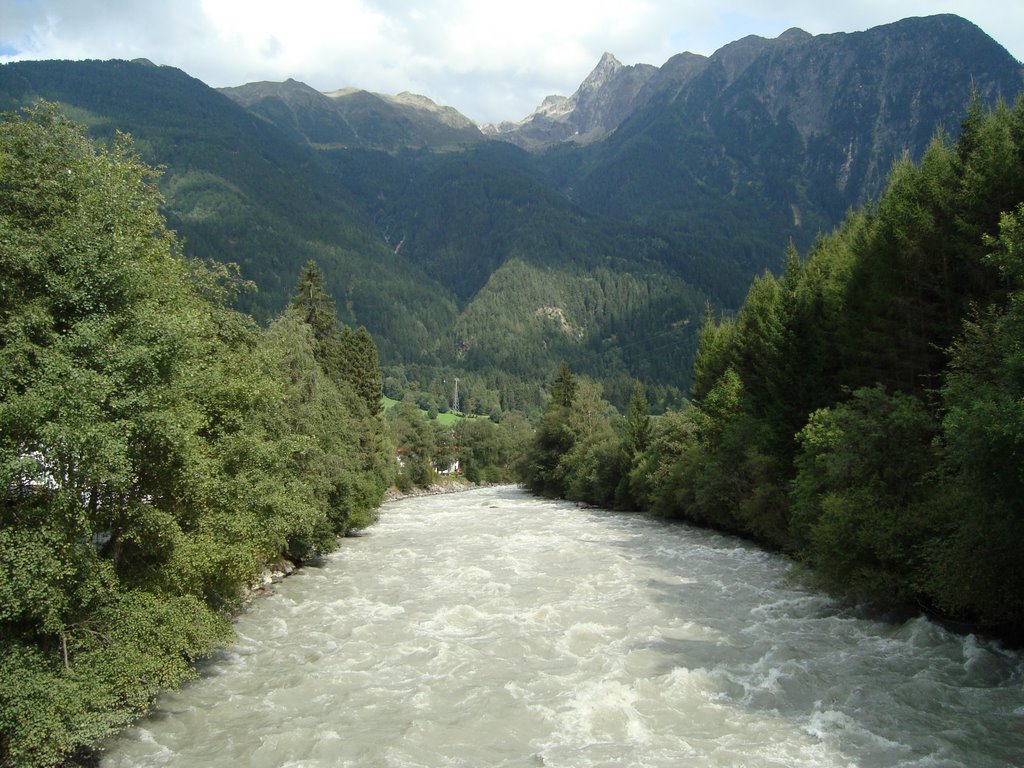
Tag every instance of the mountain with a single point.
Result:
(813, 76)
(648, 193)
(354, 118)
(535, 277)
(238, 189)
(604, 99)
(406, 239)
(772, 140)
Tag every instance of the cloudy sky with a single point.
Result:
(490, 59)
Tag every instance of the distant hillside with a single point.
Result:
(238, 189)
(400, 236)
(353, 118)
(647, 194)
(536, 278)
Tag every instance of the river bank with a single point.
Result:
(449, 486)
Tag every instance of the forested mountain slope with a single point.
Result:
(238, 190)
(769, 140)
(405, 241)
(472, 255)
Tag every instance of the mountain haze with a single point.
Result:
(351, 117)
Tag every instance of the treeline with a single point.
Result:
(863, 411)
(476, 450)
(158, 448)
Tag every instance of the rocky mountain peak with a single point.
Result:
(601, 74)
(555, 106)
(794, 34)
(607, 95)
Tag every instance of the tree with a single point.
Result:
(106, 448)
(554, 438)
(344, 354)
(563, 387)
(316, 307)
(156, 448)
(861, 490)
(636, 437)
(638, 424)
(361, 368)
(973, 569)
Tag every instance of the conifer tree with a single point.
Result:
(361, 367)
(317, 309)
(638, 424)
(563, 388)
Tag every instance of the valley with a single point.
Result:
(647, 195)
(773, 294)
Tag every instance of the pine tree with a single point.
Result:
(638, 424)
(563, 388)
(360, 366)
(316, 307)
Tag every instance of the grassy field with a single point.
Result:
(447, 419)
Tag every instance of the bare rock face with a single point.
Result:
(850, 98)
(603, 100)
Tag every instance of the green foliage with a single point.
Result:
(415, 439)
(536, 281)
(862, 480)
(863, 411)
(895, 493)
(974, 569)
(660, 480)
(544, 469)
(489, 452)
(576, 451)
(360, 366)
(636, 437)
(156, 447)
(343, 354)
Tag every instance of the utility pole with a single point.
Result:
(455, 397)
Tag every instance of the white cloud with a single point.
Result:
(490, 60)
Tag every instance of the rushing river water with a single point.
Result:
(490, 628)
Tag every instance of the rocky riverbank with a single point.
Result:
(453, 486)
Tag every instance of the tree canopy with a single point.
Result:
(157, 447)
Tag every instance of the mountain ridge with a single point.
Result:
(611, 93)
(349, 117)
(692, 179)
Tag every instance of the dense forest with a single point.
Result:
(158, 448)
(861, 411)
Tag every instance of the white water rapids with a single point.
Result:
(490, 628)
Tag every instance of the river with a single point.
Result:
(490, 628)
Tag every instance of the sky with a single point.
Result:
(490, 59)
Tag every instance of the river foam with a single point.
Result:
(494, 629)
